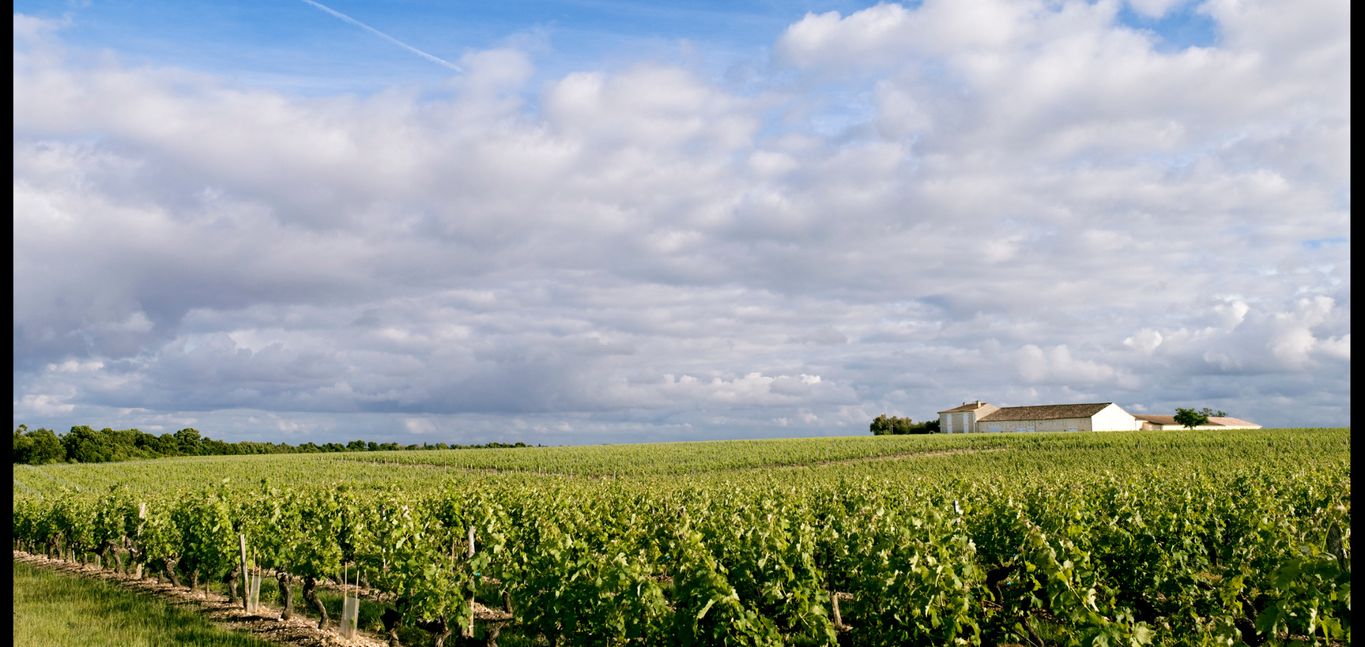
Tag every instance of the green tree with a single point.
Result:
(23, 446)
(885, 425)
(188, 441)
(85, 445)
(44, 447)
(1213, 414)
(1190, 418)
(166, 445)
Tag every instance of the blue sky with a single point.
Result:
(291, 43)
(618, 222)
(293, 40)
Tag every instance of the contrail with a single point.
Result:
(434, 59)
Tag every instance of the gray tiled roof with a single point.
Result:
(1214, 421)
(970, 406)
(1160, 420)
(1046, 412)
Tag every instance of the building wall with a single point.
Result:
(1110, 418)
(963, 421)
(1065, 424)
(1114, 418)
(1153, 425)
(1015, 426)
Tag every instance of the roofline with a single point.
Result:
(1064, 404)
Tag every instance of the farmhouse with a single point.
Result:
(1215, 422)
(981, 416)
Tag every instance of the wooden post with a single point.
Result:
(246, 577)
(469, 629)
(834, 603)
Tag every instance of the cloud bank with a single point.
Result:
(897, 210)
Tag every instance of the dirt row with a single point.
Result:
(883, 458)
(264, 623)
(750, 468)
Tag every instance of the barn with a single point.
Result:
(978, 416)
(1215, 422)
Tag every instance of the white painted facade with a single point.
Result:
(964, 419)
(967, 418)
(1114, 418)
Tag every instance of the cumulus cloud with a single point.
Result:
(1021, 203)
(1145, 341)
(1057, 364)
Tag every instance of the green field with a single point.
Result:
(1170, 537)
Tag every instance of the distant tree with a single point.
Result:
(1190, 418)
(146, 444)
(167, 445)
(23, 445)
(45, 447)
(188, 441)
(215, 447)
(1213, 414)
(85, 445)
(884, 425)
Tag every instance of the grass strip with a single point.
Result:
(53, 608)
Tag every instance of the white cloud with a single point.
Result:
(1020, 202)
(1232, 313)
(43, 404)
(1057, 365)
(1146, 341)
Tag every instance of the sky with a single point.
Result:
(605, 221)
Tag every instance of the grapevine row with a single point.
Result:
(1247, 556)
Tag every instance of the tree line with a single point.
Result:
(83, 444)
(885, 425)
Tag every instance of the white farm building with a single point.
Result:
(1215, 422)
(981, 416)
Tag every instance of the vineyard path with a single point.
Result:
(263, 624)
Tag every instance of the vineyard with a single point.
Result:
(1138, 538)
